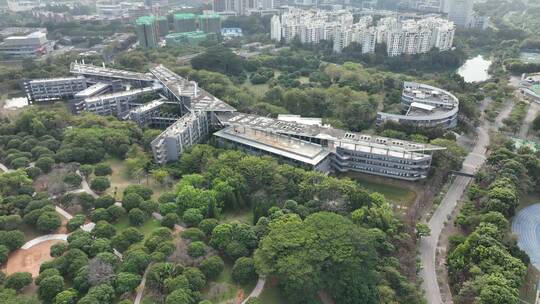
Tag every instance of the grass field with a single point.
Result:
(272, 295)
(223, 289)
(394, 191)
(243, 216)
(120, 180)
(256, 89)
(529, 199)
(146, 228)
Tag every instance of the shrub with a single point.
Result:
(192, 217)
(100, 184)
(136, 216)
(49, 287)
(169, 220)
(18, 280)
(244, 270)
(4, 252)
(86, 170)
(74, 223)
(212, 267)
(45, 163)
(116, 212)
(196, 249)
(48, 222)
(144, 192)
(131, 200)
(193, 234)
(72, 179)
(58, 249)
(102, 169)
(104, 201)
(207, 225)
(33, 172)
(100, 214)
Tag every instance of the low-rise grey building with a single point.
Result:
(53, 88)
(530, 86)
(187, 131)
(93, 90)
(349, 151)
(117, 104)
(103, 74)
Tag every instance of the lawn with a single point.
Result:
(392, 190)
(272, 295)
(242, 216)
(223, 289)
(120, 180)
(529, 199)
(146, 228)
(256, 89)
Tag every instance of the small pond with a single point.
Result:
(475, 69)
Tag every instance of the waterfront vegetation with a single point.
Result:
(484, 225)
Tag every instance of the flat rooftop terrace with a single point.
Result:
(321, 132)
(92, 90)
(277, 144)
(200, 99)
(53, 80)
(89, 69)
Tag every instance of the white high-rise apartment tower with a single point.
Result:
(461, 12)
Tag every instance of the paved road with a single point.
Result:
(44, 238)
(257, 290)
(140, 288)
(4, 168)
(86, 187)
(428, 245)
(526, 225)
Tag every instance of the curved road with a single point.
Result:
(526, 225)
(428, 245)
(474, 160)
(44, 238)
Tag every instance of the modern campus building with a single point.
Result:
(293, 139)
(147, 32)
(53, 88)
(424, 106)
(530, 86)
(209, 23)
(186, 38)
(116, 104)
(400, 36)
(32, 45)
(163, 26)
(186, 22)
(93, 90)
(96, 74)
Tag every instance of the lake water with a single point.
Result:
(16, 102)
(530, 57)
(475, 69)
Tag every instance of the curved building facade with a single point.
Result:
(424, 106)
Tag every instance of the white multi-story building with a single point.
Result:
(310, 26)
(417, 37)
(32, 45)
(461, 12)
(401, 37)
